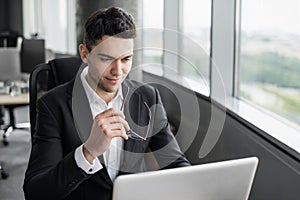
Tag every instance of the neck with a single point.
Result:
(106, 96)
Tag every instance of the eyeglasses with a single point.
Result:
(131, 134)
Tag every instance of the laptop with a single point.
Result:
(225, 180)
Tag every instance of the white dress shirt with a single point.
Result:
(112, 157)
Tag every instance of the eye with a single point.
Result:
(127, 59)
(105, 59)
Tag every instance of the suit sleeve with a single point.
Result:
(163, 143)
(50, 174)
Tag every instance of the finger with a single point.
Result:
(106, 116)
(122, 131)
(113, 120)
(124, 135)
(117, 132)
(116, 126)
(112, 112)
(121, 121)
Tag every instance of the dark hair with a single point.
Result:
(112, 21)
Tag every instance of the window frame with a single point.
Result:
(173, 24)
(225, 31)
(270, 125)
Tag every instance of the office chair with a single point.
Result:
(32, 53)
(46, 76)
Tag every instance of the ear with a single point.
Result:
(83, 51)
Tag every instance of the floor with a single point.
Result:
(15, 158)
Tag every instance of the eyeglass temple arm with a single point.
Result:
(127, 91)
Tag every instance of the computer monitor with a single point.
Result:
(8, 38)
(10, 64)
(230, 180)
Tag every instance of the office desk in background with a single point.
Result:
(7, 99)
(11, 102)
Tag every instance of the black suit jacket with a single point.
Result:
(64, 121)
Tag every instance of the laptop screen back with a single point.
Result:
(214, 181)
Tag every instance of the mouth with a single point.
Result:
(113, 80)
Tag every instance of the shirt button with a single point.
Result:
(90, 170)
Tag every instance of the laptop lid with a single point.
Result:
(214, 181)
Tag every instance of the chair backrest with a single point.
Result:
(32, 54)
(46, 76)
(10, 65)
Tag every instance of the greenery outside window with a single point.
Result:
(270, 57)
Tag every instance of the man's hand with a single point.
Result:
(107, 125)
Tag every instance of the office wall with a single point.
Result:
(15, 15)
(3, 15)
(278, 174)
(11, 15)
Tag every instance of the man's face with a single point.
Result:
(109, 63)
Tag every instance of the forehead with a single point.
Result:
(114, 46)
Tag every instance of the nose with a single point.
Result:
(116, 69)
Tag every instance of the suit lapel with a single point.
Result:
(131, 102)
(79, 105)
(133, 149)
(82, 115)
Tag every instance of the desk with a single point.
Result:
(10, 102)
(6, 99)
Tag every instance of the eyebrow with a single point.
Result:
(111, 57)
(105, 55)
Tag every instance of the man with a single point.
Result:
(99, 125)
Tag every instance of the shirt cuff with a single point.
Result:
(84, 164)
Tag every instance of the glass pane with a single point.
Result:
(153, 34)
(270, 56)
(195, 45)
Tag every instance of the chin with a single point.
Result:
(111, 89)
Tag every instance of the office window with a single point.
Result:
(269, 63)
(195, 43)
(153, 34)
(33, 18)
(52, 20)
